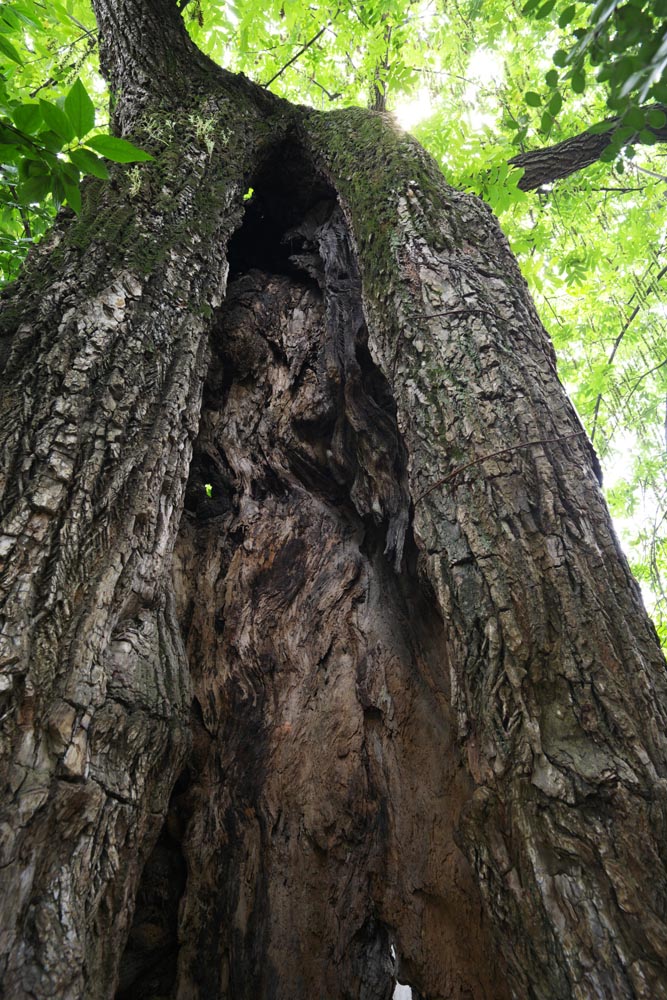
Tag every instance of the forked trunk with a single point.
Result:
(322, 666)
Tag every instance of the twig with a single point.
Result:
(301, 51)
(621, 190)
(88, 33)
(494, 454)
(651, 173)
(638, 380)
(617, 342)
(45, 7)
(25, 218)
(379, 89)
(332, 97)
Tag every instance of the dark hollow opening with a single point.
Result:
(285, 189)
(148, 965)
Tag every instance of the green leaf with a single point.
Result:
(567, 16)
(659, 90)
(88, 163)
(634, 117)
(12, 137)
(32, 167)
(559, 58)
(555, 104)
(35, 189)
(80, 109)
(546, 123)
(9, 21)
(73, 193)
(51, 141)
(57, 190)
(118, 150)
(545, 9)
(623, 133)
(9, 152)
(578, 81)
(599, 128)
(551, 78)
(27, 117)
(56, 120)
(656, 118)
(609, 154)
(8, 49)
(532, 99)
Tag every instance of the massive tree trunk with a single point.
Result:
(321, 664)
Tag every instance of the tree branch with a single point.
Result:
(23, 213)
(294, 58)
(543, 166)
(617, 343)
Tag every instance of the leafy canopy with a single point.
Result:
(478, 81)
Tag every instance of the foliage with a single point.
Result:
(47, 121)
(480, 82)
(622, 45)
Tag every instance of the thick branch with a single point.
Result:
(145, 50)
(543, 166)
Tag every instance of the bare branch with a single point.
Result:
(612, 354)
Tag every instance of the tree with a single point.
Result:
(590, 246)
(322, 663)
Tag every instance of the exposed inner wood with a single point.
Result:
(317, 813)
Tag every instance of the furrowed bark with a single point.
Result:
(105, 348)
(553, 163)
(557, 678)
(282, 719)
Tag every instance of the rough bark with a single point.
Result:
(325, 752)
(285, 717)
(552, 163)
(105, 350)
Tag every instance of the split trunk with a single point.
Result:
(322, 667)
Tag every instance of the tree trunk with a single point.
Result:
(321, 663)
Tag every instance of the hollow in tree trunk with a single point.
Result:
(322, 667)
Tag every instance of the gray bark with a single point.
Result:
(553, 163)
(321, 662)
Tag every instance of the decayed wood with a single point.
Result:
(326, 784)
(266, 717)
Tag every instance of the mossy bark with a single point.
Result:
(340, 676)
